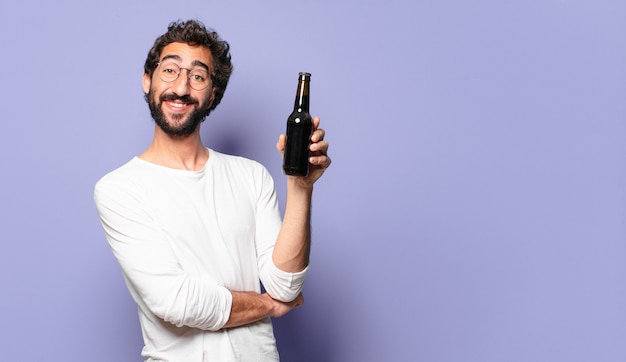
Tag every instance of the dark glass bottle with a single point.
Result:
(299, 128)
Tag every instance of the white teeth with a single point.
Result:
(177, 105)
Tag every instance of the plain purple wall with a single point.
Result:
(475, 210)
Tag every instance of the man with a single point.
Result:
(195, 231)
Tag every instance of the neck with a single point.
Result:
(183, 153)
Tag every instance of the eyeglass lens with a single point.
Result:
(198, 78)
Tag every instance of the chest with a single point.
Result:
(210, 226)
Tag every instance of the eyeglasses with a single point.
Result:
(198, 78)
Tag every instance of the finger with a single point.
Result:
(319, 148)
(280, 145)
(318, 135)
(322, 161)
(316, 122)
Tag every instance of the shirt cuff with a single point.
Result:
(282, 285)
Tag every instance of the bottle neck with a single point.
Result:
(302, 103)
(302, 93)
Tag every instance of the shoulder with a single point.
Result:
(130, 169)
(241, 170)
(127, 176)
(236, 163)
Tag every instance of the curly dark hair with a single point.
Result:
(194, 33)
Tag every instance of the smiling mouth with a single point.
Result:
(177, 103)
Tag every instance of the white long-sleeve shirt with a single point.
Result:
(184, 239)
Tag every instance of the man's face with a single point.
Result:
(178, 108)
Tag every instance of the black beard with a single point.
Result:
(187, 126)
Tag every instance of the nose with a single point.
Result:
(180, 85)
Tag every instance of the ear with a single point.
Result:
(146, 82)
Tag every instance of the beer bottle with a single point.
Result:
(299, 128)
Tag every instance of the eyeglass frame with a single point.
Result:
(209, 75)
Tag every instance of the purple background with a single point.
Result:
(475, 210)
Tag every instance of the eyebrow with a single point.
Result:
(195, 63)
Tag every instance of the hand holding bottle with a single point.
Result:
(318, 157)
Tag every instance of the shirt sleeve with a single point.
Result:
(281, 285)
(150, 268)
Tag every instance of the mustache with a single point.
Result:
(175, 97)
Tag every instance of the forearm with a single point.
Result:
(293, 244)
(250, 307)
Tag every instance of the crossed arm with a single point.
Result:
(293, 245)
(249, 307)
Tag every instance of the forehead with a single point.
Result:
(187, 54)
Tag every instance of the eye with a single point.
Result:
(198, 77)
(169, 70)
